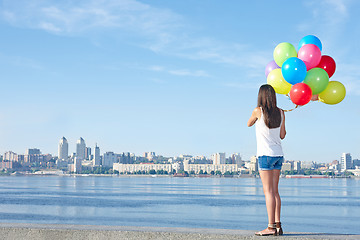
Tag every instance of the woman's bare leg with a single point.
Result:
(267, 178)
(276, 177)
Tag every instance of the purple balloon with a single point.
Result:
(270, 66)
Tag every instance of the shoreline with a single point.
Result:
(171, 176)
(14, 231)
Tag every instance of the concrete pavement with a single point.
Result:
(12, 231)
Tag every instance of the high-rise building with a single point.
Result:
(297, 165)
(109, 159)
(88, 153)
(96, 160)
(10, 156)
(253, 167)
(149, 155)
(346, 161)
(356, 163)
(80, 149)
(77, 165)
(63, 149)
(32, 151)
(33, 155)
(287, 166)
(236, 159)
(218, 158)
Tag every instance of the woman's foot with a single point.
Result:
(279, 229)
(269, 231)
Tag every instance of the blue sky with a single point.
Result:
(174, 77)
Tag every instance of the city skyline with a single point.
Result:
(142, 76)
(217, 157)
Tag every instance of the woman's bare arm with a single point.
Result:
(254, 117)
(282, 129)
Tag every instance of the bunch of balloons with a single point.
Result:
(304, 74)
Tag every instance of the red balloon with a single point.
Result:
(300, 94)
(328, 64)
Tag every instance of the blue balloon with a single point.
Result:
(294, 70)
(310, 39)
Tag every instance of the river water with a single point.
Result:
(308, 205)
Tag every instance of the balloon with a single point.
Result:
(333, 94)
(310, 54)
(284, 51)
(310, 39)
(328, 64)
(317, 79)
(300, 94)
(293, 70)
(276, 80)
(270, 66)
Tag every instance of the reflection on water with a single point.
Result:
(317, 205)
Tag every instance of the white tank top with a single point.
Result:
(268, 139)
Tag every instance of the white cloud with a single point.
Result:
(161, 30)
(179, 72)
(74, 17)
(156, 68)
(348, 75)
(327, 19)
(185, 72)
(49, 27)
(245, 85)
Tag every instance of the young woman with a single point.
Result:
(270, 130)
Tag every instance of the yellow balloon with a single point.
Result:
(276, 80)
(284, 51)
(333, 94)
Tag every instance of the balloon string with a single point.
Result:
(291, 109)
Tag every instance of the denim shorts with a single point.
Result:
(270, 163)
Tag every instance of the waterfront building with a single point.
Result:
(33, 155)
(177, 166)
(346, 161)
(87, 153)
(77, 165)
(20, 158)
(186, 157)
(80, 149)
(96, 160)
(196, 168)
(109, 159)
(236, 159)
(10, 156)
(218, 158)
(143, 167)
(149, 155)
(6, 165)
(297, 165)
(127, 158)
(287, 166)
(32, 151)
(63, 149)
(356, 163)
(307, 165)
(253, 166)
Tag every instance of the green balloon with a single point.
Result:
(317, 79)
(333, 94)
(284, 51)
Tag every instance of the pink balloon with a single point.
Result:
(310, 54)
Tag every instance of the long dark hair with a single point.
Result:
(267, 101)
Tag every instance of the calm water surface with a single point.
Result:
(311, 205)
